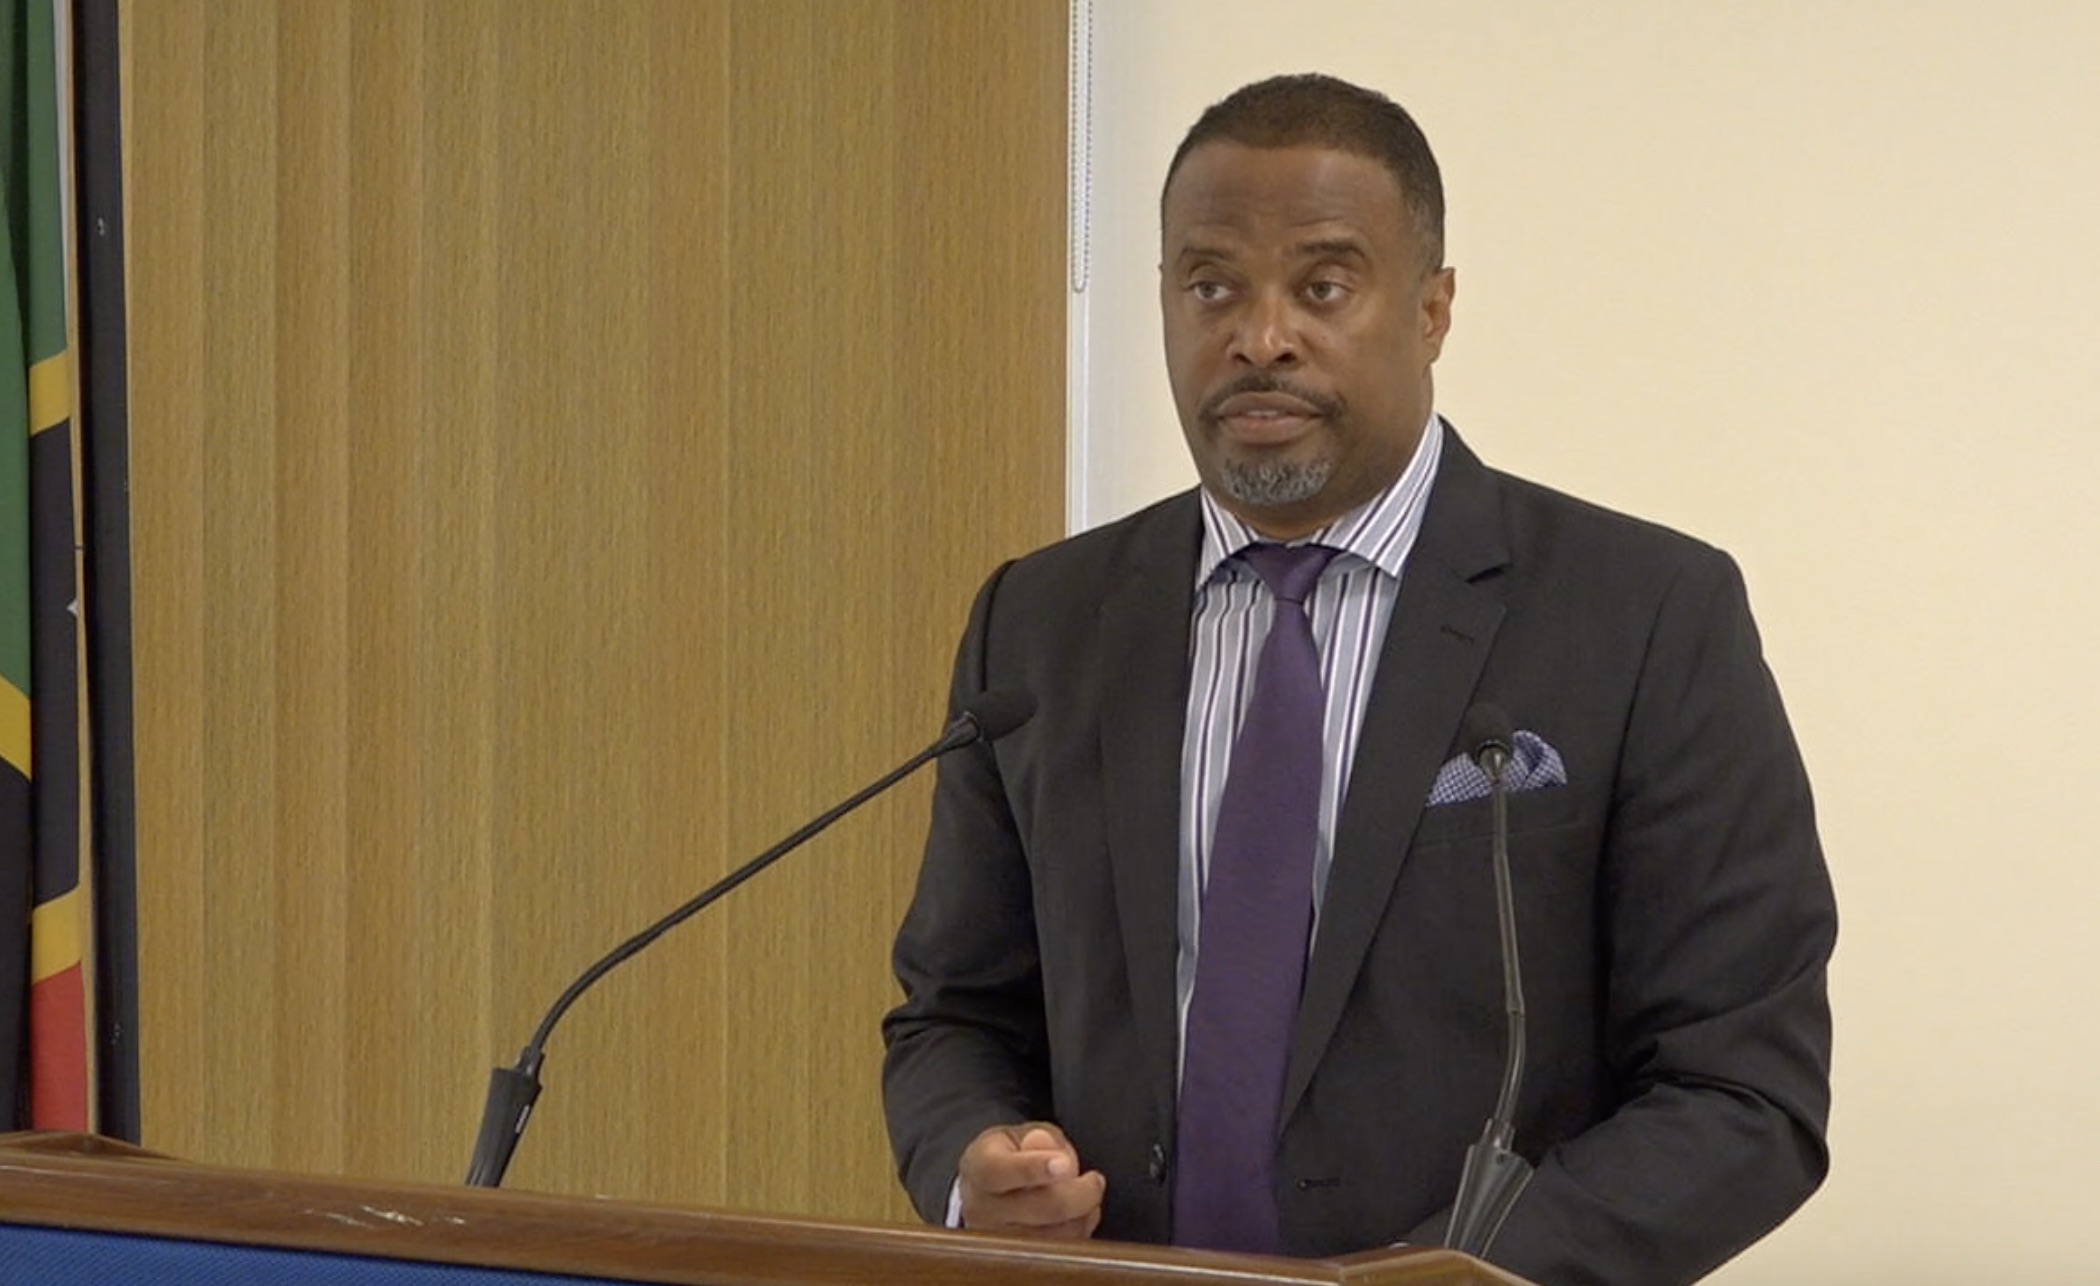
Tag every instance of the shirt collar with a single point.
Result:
(1381, 531)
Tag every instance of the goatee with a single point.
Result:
(1272, 483)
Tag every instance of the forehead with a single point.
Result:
(1230, 192)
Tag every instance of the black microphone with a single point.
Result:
(1489, 738)
(512, 1090)
(1494, 1174)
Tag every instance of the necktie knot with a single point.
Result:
(1290, 571)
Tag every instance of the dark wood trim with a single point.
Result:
(85, 1183)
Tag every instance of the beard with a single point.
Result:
(1267, 484)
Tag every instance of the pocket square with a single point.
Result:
(1533, 765)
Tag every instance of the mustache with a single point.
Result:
(1264, 382)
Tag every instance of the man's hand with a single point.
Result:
(1026, 1179)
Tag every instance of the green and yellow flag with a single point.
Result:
(43, 995)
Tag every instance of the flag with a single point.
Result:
(43, 995)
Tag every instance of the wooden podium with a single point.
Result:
(86, 1203)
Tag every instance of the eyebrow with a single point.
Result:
(1198, 250)
(1320, 248)
(1331, 248)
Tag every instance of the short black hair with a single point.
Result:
(1326, 111)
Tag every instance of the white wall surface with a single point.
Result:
(1818, 281)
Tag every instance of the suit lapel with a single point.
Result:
(1144, 650)
(1442, 627)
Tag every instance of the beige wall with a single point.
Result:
(1818, 280)
(567, 437)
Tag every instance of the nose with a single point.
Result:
(1267, 333)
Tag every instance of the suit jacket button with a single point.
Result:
(1156, 1165)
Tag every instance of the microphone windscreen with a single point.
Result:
(1486, 725)
(999, 711)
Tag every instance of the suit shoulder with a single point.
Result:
(1571, 534)
(1037, 621)
(1083, 566)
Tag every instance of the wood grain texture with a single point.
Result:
(80, 1182)
(566, 439)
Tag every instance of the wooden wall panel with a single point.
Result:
(566, 439)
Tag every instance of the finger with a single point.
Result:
(1044, 1137)
(1094, 1185)
(1035, 1207)
(1060, 1160)
(1018, 1172)
(999, 1162)
(1074, 1204)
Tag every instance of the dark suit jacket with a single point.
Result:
(1675, 916)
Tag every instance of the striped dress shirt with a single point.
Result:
(1348, 607)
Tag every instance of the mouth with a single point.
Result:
(1265, 417)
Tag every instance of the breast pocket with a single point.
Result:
(1529, 811)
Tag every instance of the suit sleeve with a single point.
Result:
(966, 1050)
(1718, 922)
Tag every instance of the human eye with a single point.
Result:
(1326, 291)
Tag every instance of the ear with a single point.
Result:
(1433, 308)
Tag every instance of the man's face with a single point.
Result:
(1301, 323)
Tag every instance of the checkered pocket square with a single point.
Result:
(1533, 765)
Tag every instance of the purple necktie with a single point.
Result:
(1255, 930)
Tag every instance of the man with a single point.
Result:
(1089, 983)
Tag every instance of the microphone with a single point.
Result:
(1489, 738)
(512, 1090)
(1494, 1174)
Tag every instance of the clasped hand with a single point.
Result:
(1026, 1179)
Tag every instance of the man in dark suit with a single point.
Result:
(1674, 913)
